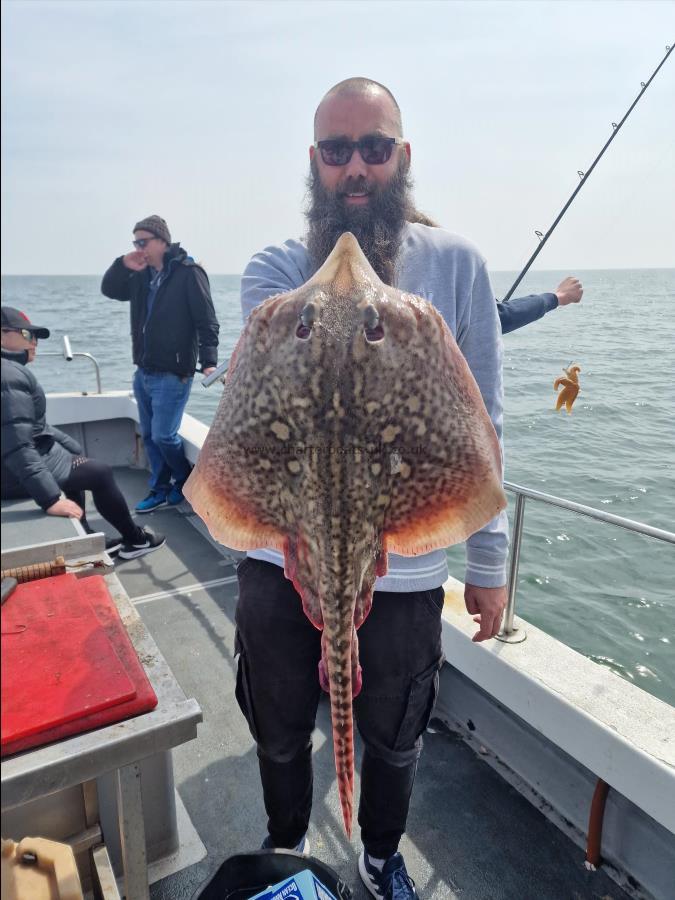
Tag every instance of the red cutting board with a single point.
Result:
(58, 664)
(90, 593)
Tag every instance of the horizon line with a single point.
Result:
(239, 274)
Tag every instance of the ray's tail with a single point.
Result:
(339, 666)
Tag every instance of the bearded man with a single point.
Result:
(360, 182)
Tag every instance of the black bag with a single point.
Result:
(243, 876)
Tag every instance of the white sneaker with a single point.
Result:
(301, 847)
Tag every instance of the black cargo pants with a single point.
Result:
(278, 691)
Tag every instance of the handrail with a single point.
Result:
(630, 524)
(509, 630)
(96, 366)
(68, 355)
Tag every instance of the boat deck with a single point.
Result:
(470, 834)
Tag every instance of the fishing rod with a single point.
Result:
(220, 371)
(584, 178)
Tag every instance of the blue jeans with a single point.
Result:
(161, 398)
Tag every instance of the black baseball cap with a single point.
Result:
(15, 319)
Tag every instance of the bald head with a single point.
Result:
(356, 190)
(360, 88)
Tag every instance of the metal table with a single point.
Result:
(115, 750)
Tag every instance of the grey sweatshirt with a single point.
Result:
(449, 272)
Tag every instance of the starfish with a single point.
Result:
(570, 387)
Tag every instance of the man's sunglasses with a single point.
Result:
(25, 333)
(140, 243)
(374, 150)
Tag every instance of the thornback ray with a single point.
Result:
(350, 426)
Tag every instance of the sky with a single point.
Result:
(202, 112)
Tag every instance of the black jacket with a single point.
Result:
(182, 324)
(36, 458)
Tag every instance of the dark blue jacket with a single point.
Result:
(521, 311)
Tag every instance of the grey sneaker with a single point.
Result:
(149, 543)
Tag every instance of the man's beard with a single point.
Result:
(377, 225)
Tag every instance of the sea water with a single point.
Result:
(606, 592)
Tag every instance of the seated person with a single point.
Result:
(42, 462)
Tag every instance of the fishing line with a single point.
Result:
(623, 196)
(584, 176)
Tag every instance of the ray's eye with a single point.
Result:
(371, 325)
(307, 318)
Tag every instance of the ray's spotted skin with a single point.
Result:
(570, 388)
(350, 426)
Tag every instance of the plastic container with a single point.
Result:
(38, 869)
(243, 876)
(303, 886)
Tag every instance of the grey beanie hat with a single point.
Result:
(155, 225)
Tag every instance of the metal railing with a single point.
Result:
(510, 632)
(68, 355)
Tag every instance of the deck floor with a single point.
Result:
(470, 834)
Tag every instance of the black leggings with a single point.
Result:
(97, 477)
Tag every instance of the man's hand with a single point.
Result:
(208, 371)
(66, 508)
(569, 291)
(135, 261)
(487, 607)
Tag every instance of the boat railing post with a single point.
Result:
(511, 633)
(96, 366)
(67, 353)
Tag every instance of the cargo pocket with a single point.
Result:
(419, 707)
(242, 690)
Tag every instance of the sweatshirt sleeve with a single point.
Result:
(521, 311)
(481, 344)
(275, 270)
(19, 453)
(117, 280)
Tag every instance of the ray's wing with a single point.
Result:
(240, 484)
(439, 470)
(257, 481)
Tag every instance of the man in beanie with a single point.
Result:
(173, 327)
